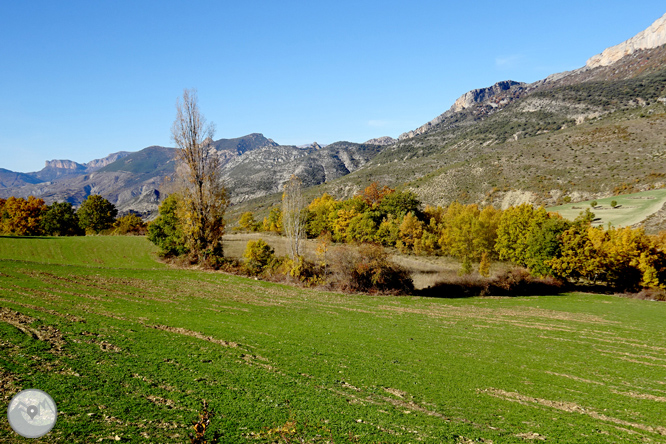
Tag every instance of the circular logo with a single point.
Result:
(32, 413)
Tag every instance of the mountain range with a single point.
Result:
(580, 134)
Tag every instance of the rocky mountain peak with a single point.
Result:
(480, 95)
(652, 37)
(101, 163)
(63, 164)
(382, 141)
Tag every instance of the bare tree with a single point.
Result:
(204, 198)
(293, 214)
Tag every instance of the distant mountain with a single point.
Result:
(14, 179)
(265, 170)
(582, 134)
(241, 145)
(252, 166)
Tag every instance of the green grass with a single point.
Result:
(631, 208)
(131, 352)
(96, 251)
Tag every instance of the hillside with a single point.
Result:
(583, 134)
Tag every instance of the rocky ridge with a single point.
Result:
(653, 37)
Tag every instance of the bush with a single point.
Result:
(368, 269)
(258, 256)
(165, 231)
(130, 224)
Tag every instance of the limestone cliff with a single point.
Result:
(652, 37)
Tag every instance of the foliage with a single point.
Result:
(320, 215)
(294, 216)
(248, 223)
(373, 194)
(22, 217)
(469, 234)
(130, 224)
(60, 219)
(273, 222)
(204, 200)
(165, 231)
(258, 256)
(399, 203)
(96, 214)
(514, 232)
(368, 269)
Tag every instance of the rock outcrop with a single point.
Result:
(381, 141)
(652, 37)
(496, 96)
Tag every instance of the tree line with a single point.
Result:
(542, 242)
(95, 215)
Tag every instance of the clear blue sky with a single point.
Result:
(80, 80)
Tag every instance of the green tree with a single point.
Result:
(96, 214)
(544, 243)
(399, 203)
(60, 219)
(165, 231)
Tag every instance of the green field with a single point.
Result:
(631, 208)
(128, 349)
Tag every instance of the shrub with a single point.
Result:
(130, 224)
(165, 231)
(368, 269)
(258, 256)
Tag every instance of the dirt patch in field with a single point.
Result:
(501, 314)
(641, 396)
(194, 334)
(46, 333)
(575, 378)
(67, 316)
(569, 407)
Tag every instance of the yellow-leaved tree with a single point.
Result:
(204, 198)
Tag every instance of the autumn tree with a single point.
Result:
(248, 223)
(293, 215)
(373, 194)
(203, 197)
(22, 217)
(130, 224)
(273, 222)
(321, 213)
(514, 230)
(96, 214)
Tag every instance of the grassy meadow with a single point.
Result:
(128, 348)
(631, 208)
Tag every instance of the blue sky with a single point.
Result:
(80, 80)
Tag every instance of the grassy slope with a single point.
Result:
(96, 251)
(631, 208)
(136, 350)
